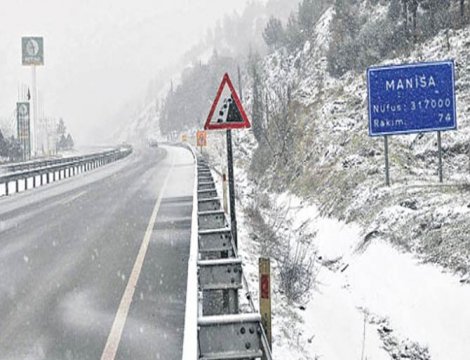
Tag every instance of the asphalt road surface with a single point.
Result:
(95, 266)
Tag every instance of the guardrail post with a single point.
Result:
(16, 185)
(6, 189)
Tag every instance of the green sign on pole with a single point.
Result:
(24, 128)
(32, 50)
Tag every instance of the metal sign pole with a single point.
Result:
(34, 112)
(439, 149)
(387, 168)
(227, 113)
(231, 186)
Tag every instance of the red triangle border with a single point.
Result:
(245, 124)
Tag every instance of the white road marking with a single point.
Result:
(75, 197)
(114, 338)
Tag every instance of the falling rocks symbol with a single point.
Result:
(229, 112)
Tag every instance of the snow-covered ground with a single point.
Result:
(370, 299)
(387, 288)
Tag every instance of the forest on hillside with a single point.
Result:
(362, 33)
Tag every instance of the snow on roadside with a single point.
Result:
(421, 301)
(376, 281)
(365, 304)
(371, 300)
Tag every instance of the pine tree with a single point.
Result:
(3, 145)
(462, 11)
(294, 38)
(62, 144)
(61, 129)
(309, 11)
(394, 10)
(15, 152)
(405, 12)
(69, 142)
(413, 8)
(342, 52)
(273, 33)
(257, 106)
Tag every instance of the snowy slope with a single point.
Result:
(393, 263)
(342, 168)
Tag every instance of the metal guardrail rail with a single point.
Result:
(57, 168)
(223, 333)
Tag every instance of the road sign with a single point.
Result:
(201, 138)
(411, 98)
(23, 128)
(32, 50)
(227, 111)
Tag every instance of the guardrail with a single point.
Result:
(217, 330)
(44, 171)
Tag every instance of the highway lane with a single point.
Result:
(67, 251)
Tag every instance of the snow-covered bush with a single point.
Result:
(297, 270)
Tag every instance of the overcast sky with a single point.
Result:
(98, 53)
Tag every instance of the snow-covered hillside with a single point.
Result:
(392, 263)
(341, 168)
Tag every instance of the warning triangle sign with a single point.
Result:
(227, 111)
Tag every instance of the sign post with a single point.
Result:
(439, 150)
(265, 296)
(231, 188)
(227, 113)
(23, 124)
(387, 168)
(411, 98)
(33, 55)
